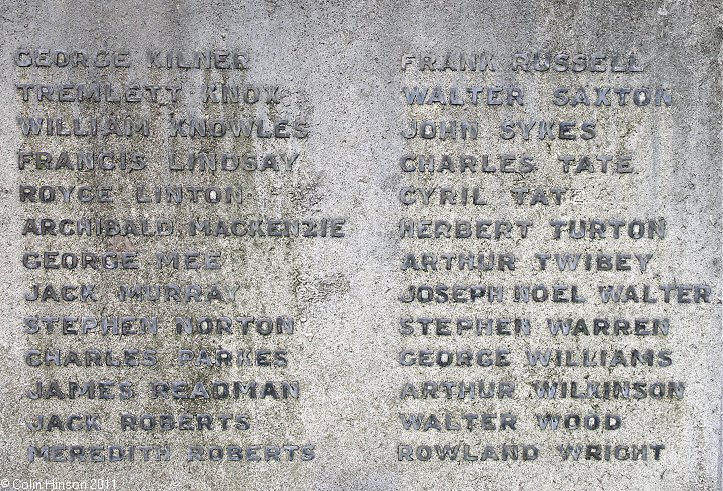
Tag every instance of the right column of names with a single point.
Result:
(539, 317)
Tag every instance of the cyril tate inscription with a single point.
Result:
(308, 248)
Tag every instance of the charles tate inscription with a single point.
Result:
(377, 245)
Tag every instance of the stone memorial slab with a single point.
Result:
(375, 245)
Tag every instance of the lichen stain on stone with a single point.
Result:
(316, 290)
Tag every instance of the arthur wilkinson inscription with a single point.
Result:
(166, 235)
(133, 298)
(500, 220)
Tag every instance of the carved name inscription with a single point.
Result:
(103, 161)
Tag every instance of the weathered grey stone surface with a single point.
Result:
(340, 67)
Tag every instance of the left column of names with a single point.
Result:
(164, 232)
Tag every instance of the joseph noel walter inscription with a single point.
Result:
(311, 260)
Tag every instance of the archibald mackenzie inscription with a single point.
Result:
(369, 246)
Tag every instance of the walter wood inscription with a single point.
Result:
(369, 246)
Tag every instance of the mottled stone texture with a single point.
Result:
(340, 63)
